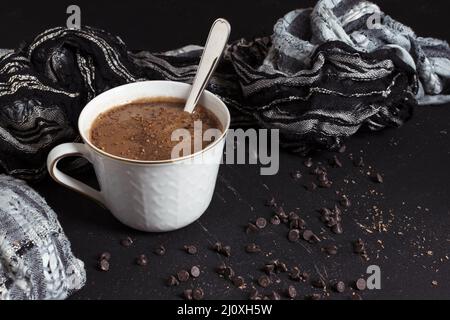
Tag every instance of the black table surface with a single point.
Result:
(405, 221)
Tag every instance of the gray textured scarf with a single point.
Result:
(35, 257)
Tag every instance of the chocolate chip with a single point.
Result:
(103, 265)
(291, 292)
(195, 272)
(342, 148)
(251, 228)
(172, 281)
(160, 251)
(183, 276)
(377, 178)
(330, 250)
(105, 256)
(261, 223)
(294, 235)
(309, 236)
(126, 242)
(191, 249)
(344, 201)
(198, 294)
(225, 271)
(255, 295)
(188, 294)
(297, 224)
(339, 286)
(297, 275)
(224, 250)
(264, 281)
(269, 268)
(238, 281)
(142, 260)
(252, 248)
(360, 284)
(275, 220)
(319, 283)
(308, 163)
(296, 175)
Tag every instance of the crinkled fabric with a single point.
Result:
(36, 261)
(324, 74)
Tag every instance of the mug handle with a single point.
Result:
(67, 150)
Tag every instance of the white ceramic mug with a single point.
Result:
(146, 195)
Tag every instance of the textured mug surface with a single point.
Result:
(147, 195)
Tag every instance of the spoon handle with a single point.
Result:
(217, 39)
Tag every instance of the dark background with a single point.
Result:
(414, 160)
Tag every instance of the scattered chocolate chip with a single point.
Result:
(342, 148)
(160, 251)
(360, 284)
(291, 292)
(225, 271)
(296, 175)
(252, 248)
(339, 286)
(191, 249)
(359, 247)
(142, 260)
(297, 224)
(183, 276)
(105, 256)
(195, 272)
(275, 220)
(251, 228)
(345, 201)
(238, 281)
(330, 250)
(308, 163)
(297, 275)
(103, 265)
(434, 283)
(377, 178)
(264, 281)
(126, 242)
(319, 283)
(261, 223)
(294, 235)
(198, 294)
(188, 294)
(309, 236)
(269, 268)
(172, 281)
(224, 250)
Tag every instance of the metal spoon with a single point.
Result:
(217, 39)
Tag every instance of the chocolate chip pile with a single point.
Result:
(276, 278)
